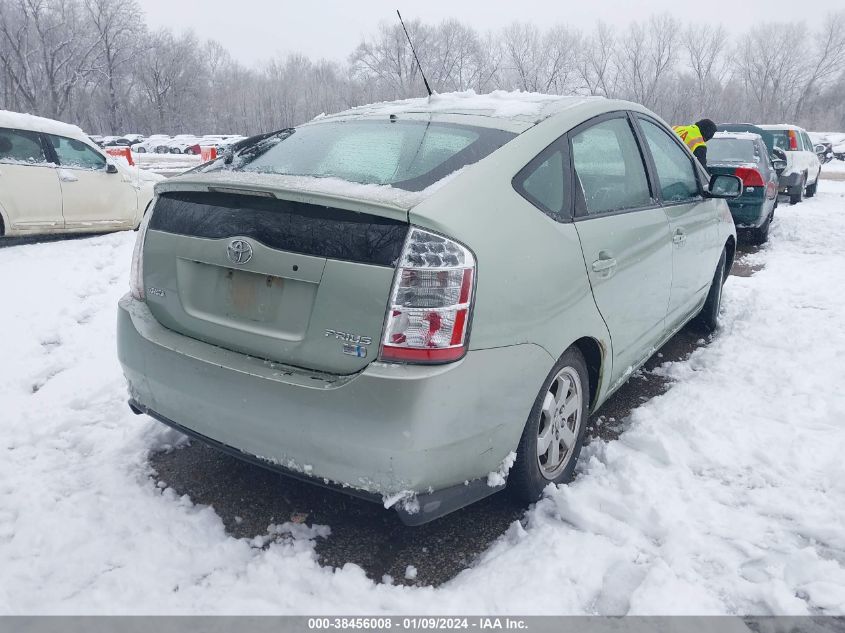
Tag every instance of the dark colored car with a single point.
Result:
(746, 155)
(118, 142)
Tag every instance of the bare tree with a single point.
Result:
(95, 63)
(119, 27)
(50, 51)
(646, 56)
(387, 59)
(170, 73)
(826, 62)
(771, 69)
(596, 65)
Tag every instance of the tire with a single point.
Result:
(795, 198)
(811, 189)
(531, 473)
(760, 235)
(708, 319)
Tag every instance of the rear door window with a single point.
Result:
(20, 147)
(608, 165)
(808, 142)
(675, 170)
(76, 154)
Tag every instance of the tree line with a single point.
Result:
(96, 63)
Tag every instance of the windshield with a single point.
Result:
(410, 155)
(731, 150)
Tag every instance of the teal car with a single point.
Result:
(416, 302)
(745, 155)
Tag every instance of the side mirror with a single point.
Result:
(779, 153)
(111, 168)
(724, 186)
(820, 149)
(779, 164)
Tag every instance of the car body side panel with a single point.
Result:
(31, 198)
(96, 200)
(696, 224)
(551, 310)
(633, 295)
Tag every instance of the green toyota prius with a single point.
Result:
(395, 300)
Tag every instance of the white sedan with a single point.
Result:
(54, 179)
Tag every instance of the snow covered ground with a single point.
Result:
(724, 495)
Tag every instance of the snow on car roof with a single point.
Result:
(517, 106)
(20, 121)
(780, 126)
(748, 136)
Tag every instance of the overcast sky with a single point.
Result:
(254, 30)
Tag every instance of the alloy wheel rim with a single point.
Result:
(560, 423)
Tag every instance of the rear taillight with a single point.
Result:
(136, 272)
(431, 301)
(793, 139)
(750, 177)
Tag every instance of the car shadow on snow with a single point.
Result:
(7, 242)
(248, 498)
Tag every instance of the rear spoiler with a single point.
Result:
(768, 138)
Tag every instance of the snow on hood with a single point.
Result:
(20, 121)
(330, 187)
(501, 104)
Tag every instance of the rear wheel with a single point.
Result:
(760, 235)
(798, 196)
(554, 432)
(708, 318)
(811, 189)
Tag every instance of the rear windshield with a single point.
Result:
(731, 150)
(781, 139)
(410, 155)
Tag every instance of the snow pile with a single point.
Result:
(500, 476)
(724, 495)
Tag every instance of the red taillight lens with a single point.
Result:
(431, 300)
(750, 177)
(793, 139)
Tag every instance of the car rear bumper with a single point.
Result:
(434, 431)
(790, 182)
(750, 214)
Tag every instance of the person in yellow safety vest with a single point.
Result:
(696, 137)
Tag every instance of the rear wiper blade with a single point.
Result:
(255, 144)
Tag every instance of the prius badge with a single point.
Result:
(353, 344)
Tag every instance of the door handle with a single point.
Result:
(605, 263)
(679, 237)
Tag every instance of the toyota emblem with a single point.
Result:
(239, 251)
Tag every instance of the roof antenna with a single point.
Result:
(414, 52)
